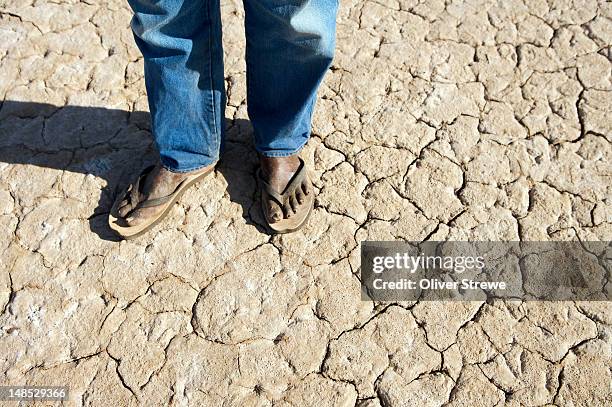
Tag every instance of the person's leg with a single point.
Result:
(290, 46)
(180, 41)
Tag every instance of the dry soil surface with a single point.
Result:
(465, 120)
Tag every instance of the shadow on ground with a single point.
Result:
(111, 144)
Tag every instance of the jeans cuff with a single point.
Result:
(165, 166)
(273, 154)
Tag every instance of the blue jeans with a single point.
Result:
(289, 47)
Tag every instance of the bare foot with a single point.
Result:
(278, 171)
(158, 183)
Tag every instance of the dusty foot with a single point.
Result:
(160, 182)
(278, 171)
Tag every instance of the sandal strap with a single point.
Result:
(295, 182)
(158, 201)
(297, 179)
(134, 192)
(162, 199)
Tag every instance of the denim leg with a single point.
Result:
(180, 41)
(290, 46)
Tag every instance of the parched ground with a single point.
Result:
(465, 120)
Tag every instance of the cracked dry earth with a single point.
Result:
(465, 120)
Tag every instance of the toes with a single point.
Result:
(287, 209)
(124, 208)
(274, 212)
(134, 218)
(306, 187)
(141, 215)
(299, 195)
(293, 204)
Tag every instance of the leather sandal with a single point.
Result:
(133, 192)
(291, 221)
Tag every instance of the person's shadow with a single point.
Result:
(112, 144)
